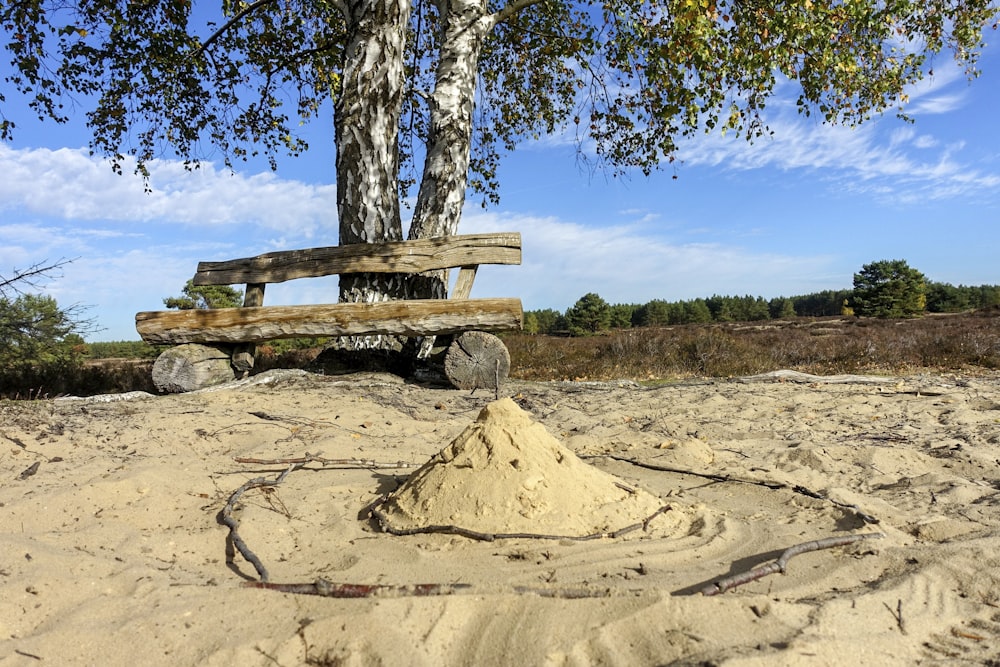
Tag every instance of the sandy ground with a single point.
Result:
(111, 552)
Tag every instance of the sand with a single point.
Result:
(506, 474)
(111, 552)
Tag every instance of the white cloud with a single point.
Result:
(927, 96)
(71, 185)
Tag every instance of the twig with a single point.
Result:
(682, 471)
(16, 441)
(496, 381)
(338, 590)
(490, 537)
(781, 564)
(27, 655)
(330, 589)
(897, 614)
(318, 458)
(226, 518)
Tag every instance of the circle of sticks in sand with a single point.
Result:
(325, 588)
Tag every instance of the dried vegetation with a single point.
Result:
(967, 342)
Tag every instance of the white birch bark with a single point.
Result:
(466, 23)
(366, 120)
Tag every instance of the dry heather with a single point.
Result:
(966, 342)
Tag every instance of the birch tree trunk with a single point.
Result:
(366, 121)
(446, 166)
(438, 210)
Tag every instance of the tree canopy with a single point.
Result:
(889, 288)
(589, 314)
(34, 329)
(629, 76)
(202, 297)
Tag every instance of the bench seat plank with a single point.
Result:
(415, 256)
(420, 317)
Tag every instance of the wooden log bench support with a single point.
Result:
(206, 337)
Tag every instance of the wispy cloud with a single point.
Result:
(895, 164)
(630, 263)
(901, 167)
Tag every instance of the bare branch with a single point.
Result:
(318, 458)
(768, 484)
(332, 589)
(449, 529)
(239, 16)
(226, 518)
(723, 585)
(30, 275)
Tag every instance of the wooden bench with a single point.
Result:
(218, 344)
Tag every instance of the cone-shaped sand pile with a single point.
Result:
(507, 474)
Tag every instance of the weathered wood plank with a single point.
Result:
(243, 355)
(463, 284)
(423, 317)
(395, 257)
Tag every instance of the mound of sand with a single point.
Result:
(506, 474)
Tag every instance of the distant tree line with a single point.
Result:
(888, 288)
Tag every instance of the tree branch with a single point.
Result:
(332, 589)
(29, 275)
(252, 7)
(226, 518)
(367, 464)
(769, 484)
(513, 8)
(761, 571)
(450, 529)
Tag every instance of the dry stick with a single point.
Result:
(867, 518)
(490, 537)
(781, 564)
(898, 614)
(330, 589)
(496, 383)
(226, 517)
(318, 458)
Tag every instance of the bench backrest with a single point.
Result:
(417, 256)
(252, 323)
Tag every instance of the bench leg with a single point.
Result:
(243, 359)
(192, 366)
(477, 360)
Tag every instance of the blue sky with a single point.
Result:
(797, 213)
